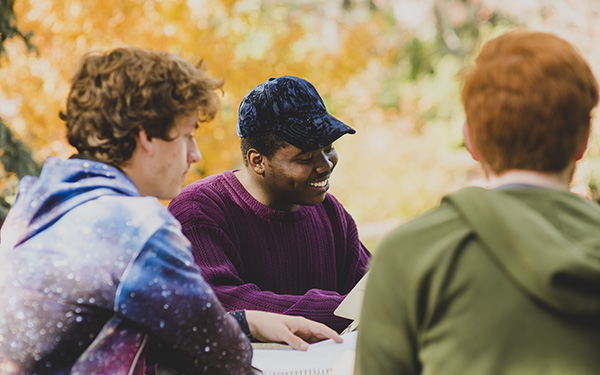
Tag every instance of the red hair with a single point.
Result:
(528, 100)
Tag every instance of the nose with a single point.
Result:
(327, 163)
(193, 155)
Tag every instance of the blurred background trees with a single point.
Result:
(16, 160)
(386, 67)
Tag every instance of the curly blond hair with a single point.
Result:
(115, 94)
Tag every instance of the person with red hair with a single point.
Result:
(502, 280)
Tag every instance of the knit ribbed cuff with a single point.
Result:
(240, 316)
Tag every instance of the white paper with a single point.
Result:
(320, 356)
(350, 306)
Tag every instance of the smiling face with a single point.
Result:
(293, 177)
(172, 159)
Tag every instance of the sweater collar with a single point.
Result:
(259, 208)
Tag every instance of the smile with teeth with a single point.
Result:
(318, 184)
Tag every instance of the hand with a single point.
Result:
(295, 331)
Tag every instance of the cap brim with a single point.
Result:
(326, 130)
(336, 130)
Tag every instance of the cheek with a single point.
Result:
(174, 157)
(289, 176)
(180, 152)
(301, 175)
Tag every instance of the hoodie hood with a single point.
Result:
(546, 241)
(62, 185)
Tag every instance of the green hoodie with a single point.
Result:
(490, 282)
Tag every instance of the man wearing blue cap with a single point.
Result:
(96, 276)
(268, 236)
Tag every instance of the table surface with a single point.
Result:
(267, 345)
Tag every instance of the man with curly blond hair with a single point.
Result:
(97, 277)
(502, 280)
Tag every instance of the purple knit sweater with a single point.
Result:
(257, 258)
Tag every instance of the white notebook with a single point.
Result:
(352, 304)
(320, 358)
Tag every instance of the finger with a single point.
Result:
(328, 333)
(314, 331)
(295, 342)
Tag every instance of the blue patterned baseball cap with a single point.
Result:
(292, 109)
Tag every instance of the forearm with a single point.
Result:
(316, 304)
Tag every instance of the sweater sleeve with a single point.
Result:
(352, 256)
(214, 253)
(163, 292)
(219, 259)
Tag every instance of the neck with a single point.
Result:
(135, 177)
(559, 180)
(139, 172)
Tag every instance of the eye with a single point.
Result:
(305, 159)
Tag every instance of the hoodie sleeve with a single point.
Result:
(162, 290)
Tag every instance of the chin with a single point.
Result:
(314, 202)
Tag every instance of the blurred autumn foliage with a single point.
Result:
(387, 67)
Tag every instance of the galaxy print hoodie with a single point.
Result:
(96, 279)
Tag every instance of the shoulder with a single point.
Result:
(209, 201)
(424, 239)
(140, 214)
(332, 204)
(335, 211)
(114, 227)
(331, 200)
(207, 192)
(144, 225)
(204, 186)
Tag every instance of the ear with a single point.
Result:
(256, 161)
(144, 142)
(469, 143)
(583, 146)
